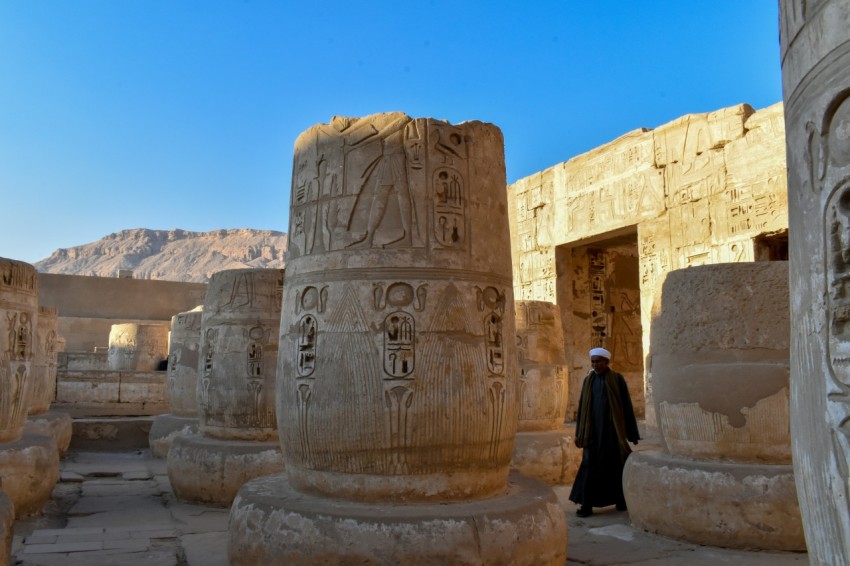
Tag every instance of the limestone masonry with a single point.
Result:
(597, 234)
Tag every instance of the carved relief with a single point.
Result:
(307, 336)
(449, 213)
(496, 395)
(20, 335)
(398, 400)
(209, 351)
(399, 334)
(400, 295)
(598, 303)
(493, 333)
(311, 299)
(18, 275)
(304, 393)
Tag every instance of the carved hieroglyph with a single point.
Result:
(815, 43)
(136, 346)
(238, 355)
(184, 345)
(18, 313)
(543, 372)
(44, 360)
(398, 369)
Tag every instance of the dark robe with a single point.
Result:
(599, 481)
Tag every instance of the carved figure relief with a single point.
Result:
(20, 335)
(17, 275)
(357, 184)
(399, 354)
(242, 292)
(398, 401)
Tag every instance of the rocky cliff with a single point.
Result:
(171, 255)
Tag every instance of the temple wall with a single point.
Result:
(89, 306)
(702, 189)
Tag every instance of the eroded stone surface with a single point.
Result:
(732, 504)
(815, 48)
(165, 428)
(398, 369)
(7, 521)
(183, 355)
(720, 363)
(550, 456)
(55, 424)
(239, 343)
(18, 319)
(44, 360)
(210, 471)
(704, 188)
(272, 523)
(30, 468)
(137, 347)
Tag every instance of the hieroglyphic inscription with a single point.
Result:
(357, 184)
(256, 337)
(492, 301)
(398, 400)
(597, 263)
(399, 332)
(19, 326)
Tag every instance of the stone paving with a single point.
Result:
(118, 509)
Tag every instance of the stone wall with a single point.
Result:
(598, 233)
(89, 306)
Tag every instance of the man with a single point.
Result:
(604, 427)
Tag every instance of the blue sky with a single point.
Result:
(118, 114)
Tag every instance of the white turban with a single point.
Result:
(601, 352)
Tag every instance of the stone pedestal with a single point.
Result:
(56, 424)
(184, 345)
(272, 523)
(398, 385)
(30, 470)
(210, 471)
(719, 356)
(729, 504)
(166, 428)
(7, 524)
(137, 347)
(236, 384)
(545, 447)
(815, 49)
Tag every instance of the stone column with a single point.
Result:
(41, 419)
(815, 46)
(545, 447)
(397, 370)
(235, 389)
(137, 347)
(184, 344)
(29, 462)
(720, 360)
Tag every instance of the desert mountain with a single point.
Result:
(171, 255)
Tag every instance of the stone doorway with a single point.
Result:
(598, 290)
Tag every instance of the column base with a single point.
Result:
(7, 523)
(30, 471)
(209, 471)
(165, 428)
(550, 456)
(57, 424)
(272, 523)
(728, 504)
